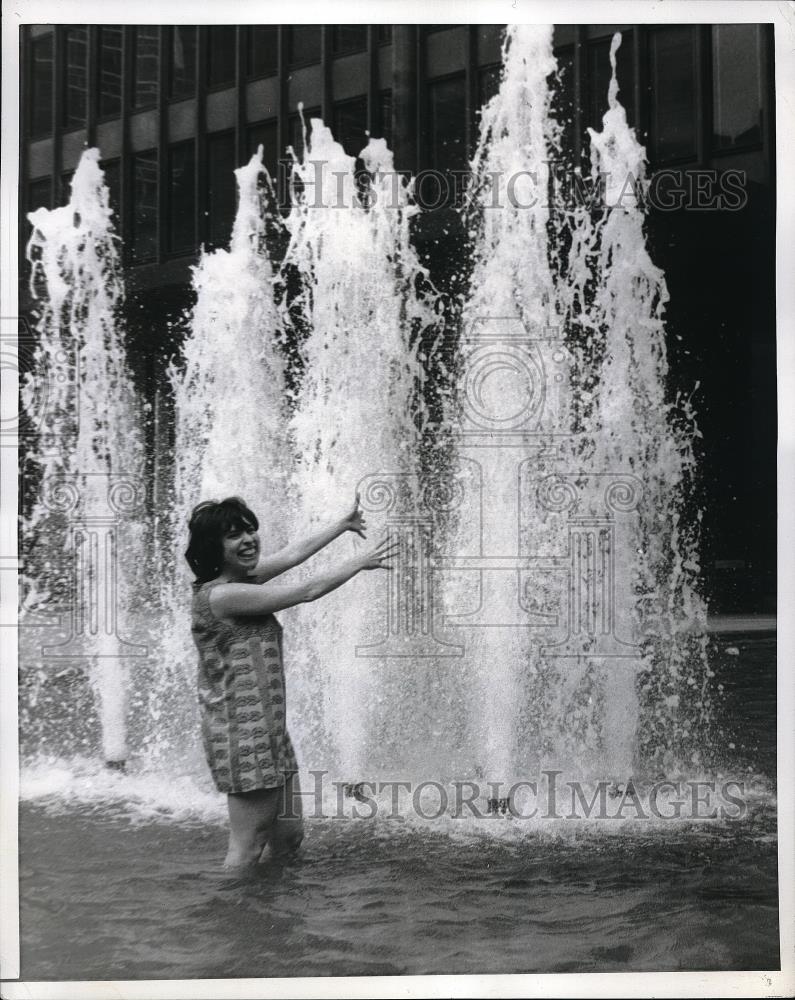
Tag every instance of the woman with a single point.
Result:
(241, 672)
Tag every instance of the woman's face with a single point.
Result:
(240, 550)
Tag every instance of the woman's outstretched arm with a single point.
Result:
(297, 552)
(266, 598)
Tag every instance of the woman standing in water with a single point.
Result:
(241, 670)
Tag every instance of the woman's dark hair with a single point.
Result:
(208, 524)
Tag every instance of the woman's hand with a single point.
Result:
(355, 520)
(379, 557)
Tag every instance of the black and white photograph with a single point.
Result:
(397, 452)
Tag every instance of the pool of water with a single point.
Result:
(112, 891)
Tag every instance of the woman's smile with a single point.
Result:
(248, 553)
(241, 548)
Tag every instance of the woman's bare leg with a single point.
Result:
(251, 818)
(287, 831)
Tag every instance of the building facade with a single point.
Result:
(175, 108)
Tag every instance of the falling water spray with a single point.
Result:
(509, 413)
(358, 418)
(634, 423)
(87, 466)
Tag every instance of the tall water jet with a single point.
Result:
(586, 591)
(230, 431)
(509, 412)
(633, 422)
(358, 415)
(86, 471)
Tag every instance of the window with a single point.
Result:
(75, 77)
(348, 38)
(221, 187)
(303, 44)
(110, 62)
(41, 70)
(182, 62)
(736, 86)
(447, 124)
(144, 200)
(599, 74)
(264, 134)
(385, 116)
(40, 194)
(146, 66)
(350, 121)
(112, 171)
(384, 34)
(181, 197)
(673, 88)
(221, 55)
(262, 51)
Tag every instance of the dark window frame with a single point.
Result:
(341, 53)
(114, 161)
(48, 130)
(168, 82)
(65, 125)
(300, 63)
(171, 249)
(133, 107)
(460, 75)
(651, 138)
(384, 127)
(359, 100)
(713, 150)
(131, 221)
(226, 134)
(97, 82)
(211, 87)
(248, 75)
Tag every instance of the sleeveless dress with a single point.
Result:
(241, 697)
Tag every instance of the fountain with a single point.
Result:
(86, 478)
(359, 409)
(545, 605)
(628, 424)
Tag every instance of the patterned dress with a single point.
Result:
(241, 697)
